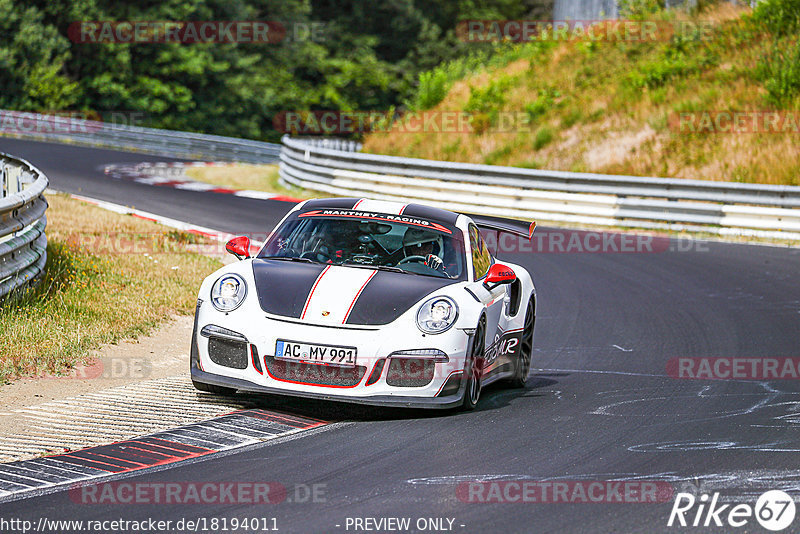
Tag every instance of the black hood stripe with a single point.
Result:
(361, 290)
(283, 286)
(389, 295)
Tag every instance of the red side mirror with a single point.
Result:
(498, 275)
(239, 247)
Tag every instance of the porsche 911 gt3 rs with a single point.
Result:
(368, 301)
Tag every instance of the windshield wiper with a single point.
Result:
(392, 269)
(347, 263)
(289, 258)
(351, 263)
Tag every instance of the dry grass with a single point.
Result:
(251, 177)
(109, 277)
(595, 119)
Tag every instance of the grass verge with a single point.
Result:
(108, 277)
(614, 107)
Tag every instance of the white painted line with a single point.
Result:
(218, 235)
(166, 221)
(258, 195)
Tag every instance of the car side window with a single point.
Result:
(481, 257)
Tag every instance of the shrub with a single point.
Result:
(678, 59)
(780, 72)
(433, 87)
(434, 84)
(543, 103)
(497, 155)
(486, 102)
(572, 117)
(544, 136)
(639, 9)
(781, 17)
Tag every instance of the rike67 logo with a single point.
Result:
(774, 510)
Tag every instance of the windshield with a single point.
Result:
(354, 238)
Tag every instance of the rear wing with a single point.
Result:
(505, 226)
(498, 225)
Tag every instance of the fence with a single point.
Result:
(722, 208)
(610, 9)
(22, 223)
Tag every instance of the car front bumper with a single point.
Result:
(444, 390)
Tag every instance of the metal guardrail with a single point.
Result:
(23, 242)
(148, 140)
(723, 208)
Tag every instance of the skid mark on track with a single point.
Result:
(600, 372)
(633, 402)
(760, 404)
(764, 399)
(701, 445)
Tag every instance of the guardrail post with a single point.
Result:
(12, 180)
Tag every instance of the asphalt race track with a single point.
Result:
(78, 170)
(600, 404)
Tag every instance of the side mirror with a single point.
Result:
(499, 275)
(239, 247)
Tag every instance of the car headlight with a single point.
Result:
(228, 292)
(437, 315)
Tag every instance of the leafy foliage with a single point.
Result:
(368, 57)
(543, 103)
(485, 103)
(780, 71)
(780, 17)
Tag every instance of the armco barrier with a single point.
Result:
(723, 208)
(22, 222)
(148, 140)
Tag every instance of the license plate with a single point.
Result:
(314, 353)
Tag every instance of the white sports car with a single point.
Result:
(368, 301)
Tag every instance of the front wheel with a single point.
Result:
(523, 364)
(473, 369)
